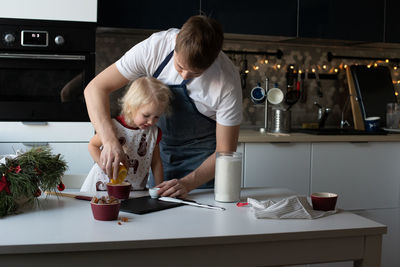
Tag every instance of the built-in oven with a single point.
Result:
(44, 68)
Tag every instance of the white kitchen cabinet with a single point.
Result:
(70, 139)
(278, 165)
(365, 175)
(68, 10)
(76, 155)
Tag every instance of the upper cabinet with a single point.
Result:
(277, 18)
(150, 14)
(356, 20)
(392, 22)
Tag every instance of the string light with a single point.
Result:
(266, 61)
(256, 67)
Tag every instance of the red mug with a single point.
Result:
(324, 201)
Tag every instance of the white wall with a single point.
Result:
(67, 10)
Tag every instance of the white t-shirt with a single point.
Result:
(216, 93)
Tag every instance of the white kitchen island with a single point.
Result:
(63, 232)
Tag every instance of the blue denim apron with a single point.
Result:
(188, 137)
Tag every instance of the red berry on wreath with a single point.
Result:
(38, 192)
(61, 186)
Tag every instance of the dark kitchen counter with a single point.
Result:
(254, 136)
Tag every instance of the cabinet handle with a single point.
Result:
(34, 122)
(36, 144)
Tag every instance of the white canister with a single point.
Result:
(228, 176)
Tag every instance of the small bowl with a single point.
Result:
(153, 192)
(105, 212)
(120, 191)
(324, 201)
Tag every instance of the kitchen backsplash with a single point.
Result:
(111, 44)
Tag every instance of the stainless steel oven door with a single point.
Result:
(44, 87)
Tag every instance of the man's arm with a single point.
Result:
(227, 139)
(98, 105)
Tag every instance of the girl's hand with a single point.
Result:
(173, 188)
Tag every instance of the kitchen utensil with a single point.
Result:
(372, 124)
(265, 128)
(120, 191)
(280, 120)
(324, 201)
(81, 197)
(153, 192)
(374, 89)
(392, 115)
(355, 105)
(275, 96)
(146, 204)
(319, 87)
(191, 203)
(258, 94)
(292, 97)
(303, 89)
(105, 212)
(228, 176)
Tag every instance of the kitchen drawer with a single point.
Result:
(365, 175)
(46, 132)
(77, 155)
(278, 165)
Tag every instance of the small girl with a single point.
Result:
(142, 105)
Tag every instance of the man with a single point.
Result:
(206, 107)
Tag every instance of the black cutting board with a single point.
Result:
(143, 205)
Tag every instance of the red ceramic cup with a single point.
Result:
(105, 212)
(120, 191)
(324, 201)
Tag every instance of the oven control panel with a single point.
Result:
(34, 38)
(31, 35)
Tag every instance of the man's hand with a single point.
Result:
(110, 157)
(173, 188)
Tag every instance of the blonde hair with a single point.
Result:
(143, 91)
(199, 41)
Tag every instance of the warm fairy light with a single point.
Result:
(398, 82)
(266, 61)
(256, 67)
(336, 70)
(376, 65)
(324, 67)
(291, 67)
(395, 67)
(278, 66)
(313, 70)
(300, 72)
(369, 66)
(387, 60)
(246, 71)
(396, 93)
(345, 66)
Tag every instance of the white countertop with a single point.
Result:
(66, 224)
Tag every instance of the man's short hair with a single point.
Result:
(199, 42)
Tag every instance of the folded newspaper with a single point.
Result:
(294, 207)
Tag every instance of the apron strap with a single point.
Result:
(163, 64)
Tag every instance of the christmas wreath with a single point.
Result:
(26, 175)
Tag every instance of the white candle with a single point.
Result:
(228, 174)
